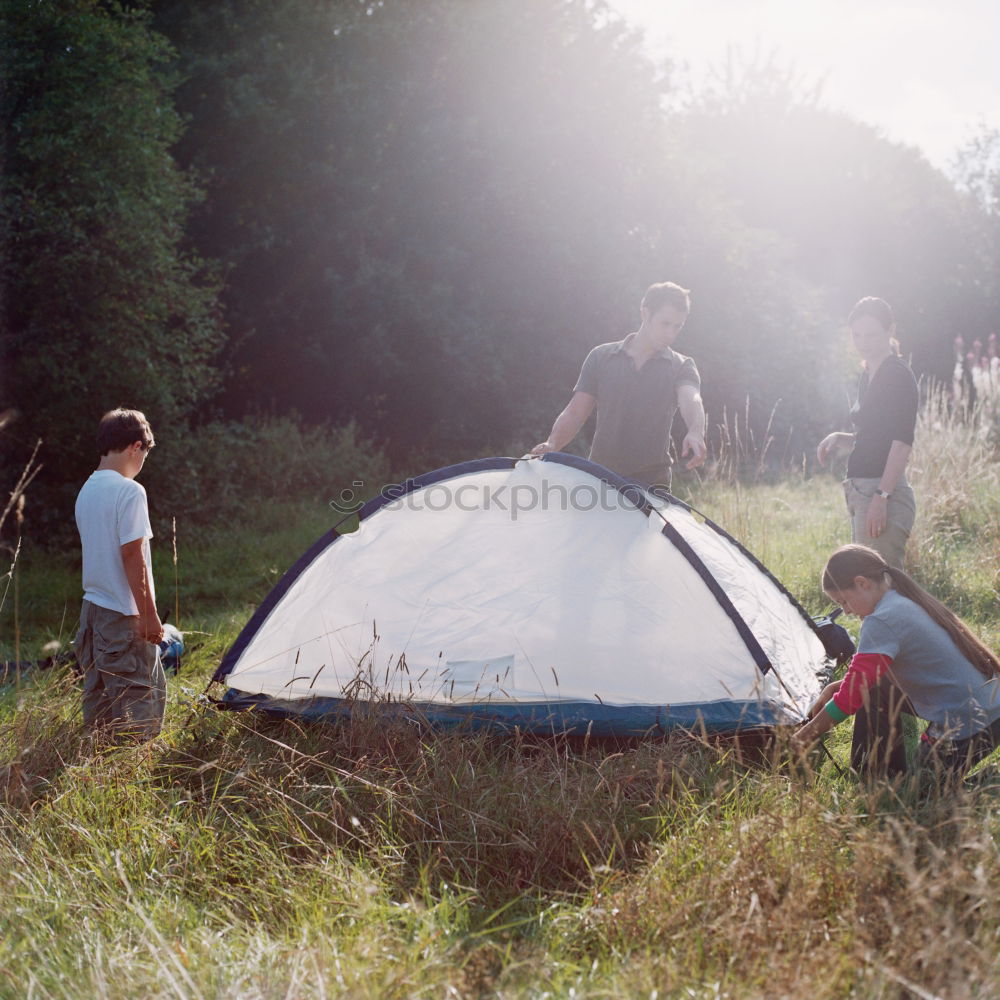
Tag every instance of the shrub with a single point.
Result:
(223, 468)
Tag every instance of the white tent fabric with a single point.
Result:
(533, 583)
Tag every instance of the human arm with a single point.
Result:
(806, 735)
(693, 413)
(819, 725)
(833, 442)
(824, 696)
(895, 465)
(567, 425)
(139, 581)
(841, 699)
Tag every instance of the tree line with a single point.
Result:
(420, 217)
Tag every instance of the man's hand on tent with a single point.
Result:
(568, 423)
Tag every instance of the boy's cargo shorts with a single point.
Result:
(124, 687)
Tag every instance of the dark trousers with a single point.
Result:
(877, 748)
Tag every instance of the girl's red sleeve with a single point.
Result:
(865, 671)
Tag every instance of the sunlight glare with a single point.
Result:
(920, 71)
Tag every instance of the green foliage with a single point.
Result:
(431, 212)
(955, 548)
(427, 214)
(977, 173)
(104, 305)
(977, 169)
(466, 198)
(859, 215)
(221, 469)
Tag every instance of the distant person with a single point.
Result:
(914, 656)
(880, 502)
(637, 384)
(124, 688)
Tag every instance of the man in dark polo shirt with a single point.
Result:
(637, 384)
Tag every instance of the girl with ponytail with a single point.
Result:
(914, 656)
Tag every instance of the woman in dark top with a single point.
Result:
(879, 500)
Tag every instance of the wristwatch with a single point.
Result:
(882, 493)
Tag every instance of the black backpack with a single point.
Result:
(836, 639)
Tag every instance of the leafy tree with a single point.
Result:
(102, 305)
(861, 215)
(430, 212)
(977, 172)
(977, 169)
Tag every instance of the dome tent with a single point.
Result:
(548, 594)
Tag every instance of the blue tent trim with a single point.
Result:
(630, 489)
(749, 639)
(389, 494)
(635, 492)
(806, 617)
(542, 718)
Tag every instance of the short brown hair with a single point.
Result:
(121, 427)
(666, 293)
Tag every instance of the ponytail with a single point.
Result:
(969, 645)
(859, 560)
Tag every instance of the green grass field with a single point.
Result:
(241, 857)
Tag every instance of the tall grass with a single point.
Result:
(242, 857)
(238, 856)
(955, 548)
(15, 505)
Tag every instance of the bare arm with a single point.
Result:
(895, 465)
(833, 442)
(820, 724)
(820, 721)
(693, 411)
(568, 423)
(139, 581)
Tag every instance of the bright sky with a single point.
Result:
(926, 72)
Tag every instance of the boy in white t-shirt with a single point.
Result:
(124, 689)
